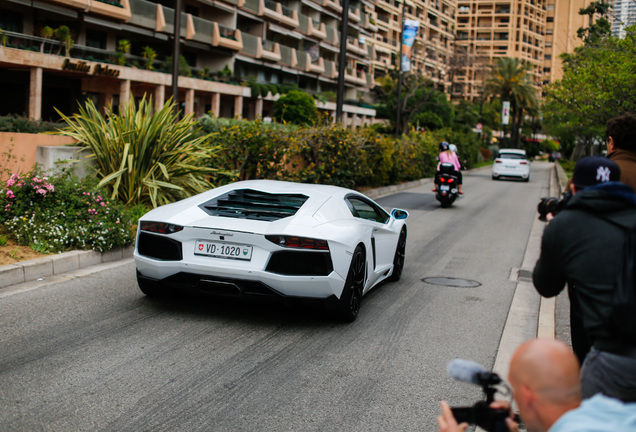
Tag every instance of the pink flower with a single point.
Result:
(41, 191)
(10, 194)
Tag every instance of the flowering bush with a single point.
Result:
(60, 212)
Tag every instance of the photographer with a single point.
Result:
(620, 136)
(582, 246)
(544, 375)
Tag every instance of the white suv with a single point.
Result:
(511, 163)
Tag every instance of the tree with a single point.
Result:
(508, 80)
(599, 29)
(296, 107)
(599, 83)
(421, 103)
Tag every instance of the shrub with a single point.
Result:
(143, 156)
(15, 123)
(59, 212)
(296, 107)
(247, 149)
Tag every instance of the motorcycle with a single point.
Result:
(446, 185)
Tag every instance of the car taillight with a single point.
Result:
(159, 227)
(498, 161)
(298, 242)
(523, 163)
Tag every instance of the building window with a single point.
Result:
(548, 56)
(549, 19)
(10, 21)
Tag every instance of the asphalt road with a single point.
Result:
(93, 354)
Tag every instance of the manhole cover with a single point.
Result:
(454, 282)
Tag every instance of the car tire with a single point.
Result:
(151, 289)
(526, 179)
(349, 303)
(398, 259)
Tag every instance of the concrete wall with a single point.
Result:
(18, 151)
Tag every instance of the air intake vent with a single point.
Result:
(251, 204)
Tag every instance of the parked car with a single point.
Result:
(266, 238)
(511, 163)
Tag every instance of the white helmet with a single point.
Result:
(453, 147)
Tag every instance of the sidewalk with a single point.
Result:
(58, 264)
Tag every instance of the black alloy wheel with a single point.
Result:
(398, 259)
(349, 303)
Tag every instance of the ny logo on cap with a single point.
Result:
(603, 174)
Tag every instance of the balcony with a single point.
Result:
(307, 64)
(100, 8)
(354, 15)
(278, 12)
(333, 5)
(111, 11)
(354, 46)
(289, 57)
(147, 14)
(317, 28)
(268, 50)
(331, 71)
(333, 37)
(358, 77)
(226, 37)
(369, 23)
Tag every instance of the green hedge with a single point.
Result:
(329, 154)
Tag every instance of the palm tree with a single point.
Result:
(509, 81)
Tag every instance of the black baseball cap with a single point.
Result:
(594, 170)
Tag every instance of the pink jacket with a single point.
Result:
(449, 157)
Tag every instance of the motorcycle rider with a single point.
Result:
(446, 155)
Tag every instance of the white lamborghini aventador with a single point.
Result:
(272, 238)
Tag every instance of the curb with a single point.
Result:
(31, 270)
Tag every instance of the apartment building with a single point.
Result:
(562, 23)
(487, 30)
(624, 16)
(433, 47)
(122, 48)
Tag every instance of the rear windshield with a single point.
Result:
(511, 156)
(253, 204)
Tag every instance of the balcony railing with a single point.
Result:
(120, 12)
(227, 37)
(278, 12)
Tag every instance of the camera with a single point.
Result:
(481, 413)
(552, 205)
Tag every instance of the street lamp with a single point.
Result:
(176, 54)
(399, 89)
(342, 59)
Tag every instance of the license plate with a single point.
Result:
(223, 250)
(444, 188)
(511, 167)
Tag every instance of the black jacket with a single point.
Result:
(582, 249)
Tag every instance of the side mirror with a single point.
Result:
(399, 214)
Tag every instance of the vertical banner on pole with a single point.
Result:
(505, 112)
(408, 38)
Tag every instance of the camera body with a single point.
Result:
(552, 205)
(482, 415)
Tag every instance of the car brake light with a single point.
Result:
(159, 227)
(498, 161)
(298, 242)
(523, 163)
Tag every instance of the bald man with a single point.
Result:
(544, 375)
